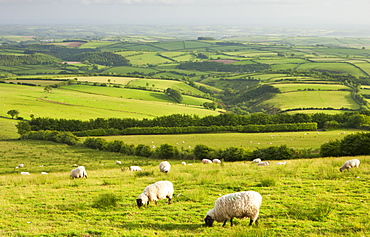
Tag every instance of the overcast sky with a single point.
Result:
(276, 13)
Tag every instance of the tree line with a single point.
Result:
(323, 121)
(221, 67)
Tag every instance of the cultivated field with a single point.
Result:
(303, 198)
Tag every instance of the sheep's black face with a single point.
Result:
(139, 202)
(209, 221)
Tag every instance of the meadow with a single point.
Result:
(303, 198)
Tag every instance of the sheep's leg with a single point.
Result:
(255, 221)
(169, 200)
(224, 223)
(231, 222)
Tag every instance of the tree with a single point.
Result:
(48, 89)
(23, 128)
(13, 113)
(175, 94)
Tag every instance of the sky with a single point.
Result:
(257, 13)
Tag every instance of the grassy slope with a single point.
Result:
(73, 104)
(298, 140)
(55, 205)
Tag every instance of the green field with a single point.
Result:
(313, 99)
(298, 140)
(307, 86)
(303, 198)
(93, 102)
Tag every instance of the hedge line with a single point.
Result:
(288, 127)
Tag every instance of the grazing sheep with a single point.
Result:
(25, 173)
(135, 168)
(239, 205)
(20, 166)
(118, 162)
(44, 172)
(258, 160)
(216, 161)
(206, 161)
(79, 172)
(281, 163)
(154, 192)
(350, 164)
(264, 163)
(184, 163)
(164, 166)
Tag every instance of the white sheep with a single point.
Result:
(281, 163)
(206, 161)
(79, 172)
(118, 162)
(239, 205)
(350, 164)
(258, 160)
(216, 161)
(135, 168)
(165, 166)
(25, 173)
(20, 166)
(44, 172)
(184, 163)
(264, 163)
(154, 192)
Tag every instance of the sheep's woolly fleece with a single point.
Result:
(239, 205)
(350, 164)
(164, 166)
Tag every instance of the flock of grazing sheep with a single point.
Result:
(240, 205)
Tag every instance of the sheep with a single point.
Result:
(79, 172)
(20, 166)
(44, 172)
(164, 166)
(258, 160)
(281, 163)
(264, 163)
(154, 192)
(118, 162)
(135, 168)
(350, 164)
(25, 173)
(240, 205)
(206, 161)
(216, 161)
(184, 163)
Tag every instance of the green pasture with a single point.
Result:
(307, 86)
(303, 198)
(86, 104)
(96, 44)
(334, 67)
(283, 61)
(343, 52)
(364, 66)
(105, 79)
(284, 66)
(147, 58)
(311, 111)
(298, 140)
(36, 82)
(128, 69)
(8, 128)
(313, 99)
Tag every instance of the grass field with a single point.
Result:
(105, 103)
(307, 86)
(313, 99)
(298, 140)
(303, 198)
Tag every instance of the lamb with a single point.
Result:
(164, 166)
(206, 161)
(216, 161)
(258, 160)
(135, 168)
(79, 172)
(240, 205)
(264, 163)
(350, 164)
(154, 192)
